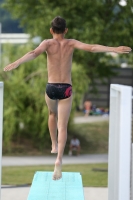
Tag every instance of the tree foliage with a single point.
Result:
(104, 22)
(25, 110)
(8, 24)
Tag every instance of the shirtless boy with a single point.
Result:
(59, 88)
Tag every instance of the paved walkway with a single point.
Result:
(22, 193)
(91, 119)
(49, 160)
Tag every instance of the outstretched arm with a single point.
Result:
(100, 48)
(27, 57)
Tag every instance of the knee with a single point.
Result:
(62, 129)
(52, 114)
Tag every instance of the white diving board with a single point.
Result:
(69, 187)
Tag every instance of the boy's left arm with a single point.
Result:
(100, 48)
(120, 49)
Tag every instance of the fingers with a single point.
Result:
(126, 49)
(9, 67)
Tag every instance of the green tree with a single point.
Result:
(103, 22)
(8, 24)
(25, 110)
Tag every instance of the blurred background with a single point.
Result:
(24, 24)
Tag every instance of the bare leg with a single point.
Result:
(52, 122)
(64, 109)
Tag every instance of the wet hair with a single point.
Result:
(58, 25)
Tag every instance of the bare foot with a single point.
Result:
(57, 170)
(54, 149)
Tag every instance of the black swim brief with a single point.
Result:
(58, 90)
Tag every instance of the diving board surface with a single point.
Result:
(69, 187)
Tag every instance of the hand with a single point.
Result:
(11, 66)
(123, 49)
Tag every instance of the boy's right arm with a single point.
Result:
(29, 56)
(100, 48)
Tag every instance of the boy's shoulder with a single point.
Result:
(69, 41)
(49, 42)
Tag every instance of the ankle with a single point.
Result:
(54, 144)
(58, 161)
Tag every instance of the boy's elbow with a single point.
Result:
(33, 54)
(93, 49)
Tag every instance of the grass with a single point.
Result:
(24, 175)
(93, 137)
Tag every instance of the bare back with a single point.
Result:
(59, 60)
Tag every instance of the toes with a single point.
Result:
(57, 178)
(54, 152)
(54, 177)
